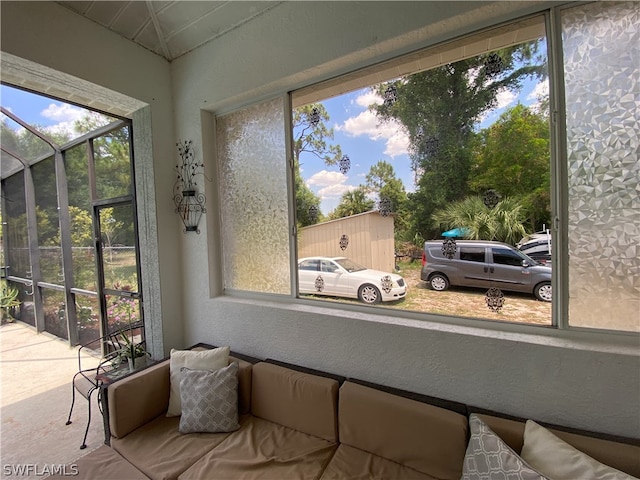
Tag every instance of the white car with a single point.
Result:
(341, 277)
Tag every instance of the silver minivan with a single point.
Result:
(484, 264)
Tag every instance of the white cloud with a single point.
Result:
(505, 98)
(369, 98)
(367, 123)
(398, 144)
(62, 112)
(324, 178)
(540, 90)
(65, 116)
(334, 191)
(332, 184)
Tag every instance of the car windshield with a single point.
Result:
(349, 265)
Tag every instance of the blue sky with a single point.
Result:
(365, 142)
(39, 110)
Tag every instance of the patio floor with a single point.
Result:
(35, 396)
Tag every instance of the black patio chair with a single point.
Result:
(88, 380)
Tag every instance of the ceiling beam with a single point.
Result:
(156, 26)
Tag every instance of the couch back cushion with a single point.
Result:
(302, 401)
(621, 456)
(426, 438)
(141, 397)
(138, 399)
(245, 371)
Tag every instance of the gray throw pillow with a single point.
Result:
(209, 400)
(489, 458)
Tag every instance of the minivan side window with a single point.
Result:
(504, 256)
(472, 254)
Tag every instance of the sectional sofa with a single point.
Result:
(298, 423)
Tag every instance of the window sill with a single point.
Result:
(621, 343)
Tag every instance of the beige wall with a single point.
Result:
(370, 238)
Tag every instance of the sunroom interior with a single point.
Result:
(567, 373)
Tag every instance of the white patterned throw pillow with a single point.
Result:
(489, 458)
(559, 460)
(195, 360)
(209, 400)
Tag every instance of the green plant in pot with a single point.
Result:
(8, 300)
(133, 353)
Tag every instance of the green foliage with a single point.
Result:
(311, 139)
(131, 349)
(8, 298)
(352, 203)
(305, 200)
(502, 223)
(440, 109)
(382, 181)
(514, 159)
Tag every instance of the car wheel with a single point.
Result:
(543, 292)
(439, 282)
(369, 294)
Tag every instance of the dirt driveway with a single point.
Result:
(468, 302)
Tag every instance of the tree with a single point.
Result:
(311, 137)
(382, 181)
(307, 202)
(440, 108)
(514, 160)
(502, 223)
(352, 203)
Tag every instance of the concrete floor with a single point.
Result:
(35, 396)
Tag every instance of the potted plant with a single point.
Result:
(8, 300)
(134, 353)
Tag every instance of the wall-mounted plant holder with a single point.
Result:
(189, 201)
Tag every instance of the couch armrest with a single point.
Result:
(138, 399)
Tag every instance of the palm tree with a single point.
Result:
(352, 203)
(503, 223)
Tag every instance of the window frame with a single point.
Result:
(559, 327)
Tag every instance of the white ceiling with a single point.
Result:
(170, 28)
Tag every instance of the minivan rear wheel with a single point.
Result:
(438, 282)
(543, 292)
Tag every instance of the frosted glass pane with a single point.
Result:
(601, 56)
(253, 198)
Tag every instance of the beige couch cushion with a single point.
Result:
(621, 456)
(103, 463)
(161, 452)
(264, 450)
(307, 403)
(138, 399)
(423, 437)
(355, 464)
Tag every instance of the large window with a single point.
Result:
(455, 145)
(454, 149)
(70, 236)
